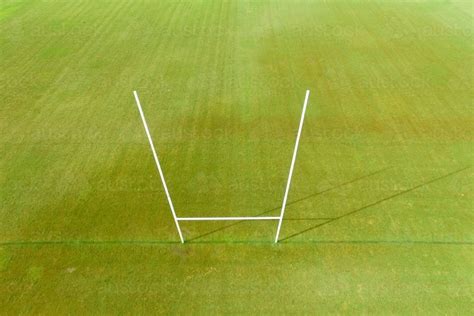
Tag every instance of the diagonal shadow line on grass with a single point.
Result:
(376, 203)
(310, 219)
(294, 202)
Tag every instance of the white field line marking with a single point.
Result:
(244, 218)
(158, 166)
(288, 184)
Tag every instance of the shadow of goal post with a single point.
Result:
(223, 218)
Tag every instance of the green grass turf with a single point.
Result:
(380, 213)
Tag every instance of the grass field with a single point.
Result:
(380, 213)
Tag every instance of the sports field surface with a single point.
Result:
(380, 212)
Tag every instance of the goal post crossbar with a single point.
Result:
(230, 218)
(225, 218)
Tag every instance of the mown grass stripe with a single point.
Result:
(269, 242)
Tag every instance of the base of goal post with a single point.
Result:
(243, 218)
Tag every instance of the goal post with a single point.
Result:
(292, 166)
(158, 166)
(225, 218)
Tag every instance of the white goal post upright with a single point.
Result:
(158, 166)
(292, 166)
(224, 218)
